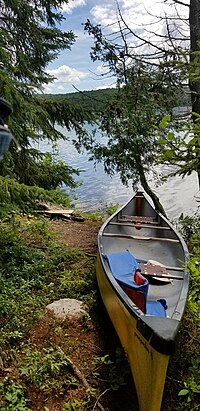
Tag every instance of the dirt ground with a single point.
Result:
(94, 339)
(75, 234)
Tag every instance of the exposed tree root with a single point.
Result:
(82, 378)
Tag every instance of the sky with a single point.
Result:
(74, 68)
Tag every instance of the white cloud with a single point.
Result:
(106, 85)
(143, 18)
(101, 69)
(104, 14)
(64, 76)
(136, 13)
(68, 7)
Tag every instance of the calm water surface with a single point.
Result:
(177, 195)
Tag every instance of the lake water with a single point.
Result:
(177, 195)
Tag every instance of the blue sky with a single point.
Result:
(74, 67)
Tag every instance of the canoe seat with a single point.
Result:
(126, 271)
(156, 308)
(137, 219)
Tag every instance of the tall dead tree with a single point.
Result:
(194, 20)
(194, 83)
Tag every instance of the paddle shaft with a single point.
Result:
(169, 277)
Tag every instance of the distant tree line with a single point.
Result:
(98, 100)
(94, 100)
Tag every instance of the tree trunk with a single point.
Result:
(194, 21)
(145, 185)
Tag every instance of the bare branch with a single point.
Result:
(178, 2)
(139, 37)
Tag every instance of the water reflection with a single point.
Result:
(177, 195)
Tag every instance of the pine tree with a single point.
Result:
(30, 38)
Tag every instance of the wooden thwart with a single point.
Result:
(157, 271)
(134, 237)
(137, 219)
(124, 224)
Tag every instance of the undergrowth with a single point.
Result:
(34, 271)
(15, 197)
(190, 391)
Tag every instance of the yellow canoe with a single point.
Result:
(137, 234)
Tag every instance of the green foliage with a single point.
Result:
(193, 300)
(117, 368)
(181, 149)
(189, 226)
(42, 368)
(75, 405)
(30, 33)
(34, 271)
(104, 211)
(145, 93)
(30, 166)
(103, 360)
(191, 388)
(47, 171)
(150, 84)
(131, 148)
(95, 100)
(31, 276)
(81, 405)
(15, 196)
(108, 209)
(51, 174)
(13, 398)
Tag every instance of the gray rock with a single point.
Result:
(68, 308)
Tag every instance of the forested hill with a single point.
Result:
(93, 99)
(98, 99)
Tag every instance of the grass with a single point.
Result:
(34, 271)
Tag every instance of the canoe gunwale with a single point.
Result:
(159, 332)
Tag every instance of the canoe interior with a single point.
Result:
(148, 236)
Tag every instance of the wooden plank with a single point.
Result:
(59, 211)
(139, 225)
(134, 237)
(174, 268)
(55, 211)
(137, 219)
(159, 271)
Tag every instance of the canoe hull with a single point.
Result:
(148, 366)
